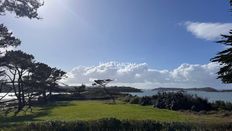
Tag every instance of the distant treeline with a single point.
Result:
(115, 89)
(112, 124)
(123, 89)
(90, 93)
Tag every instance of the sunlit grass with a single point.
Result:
(93, 110)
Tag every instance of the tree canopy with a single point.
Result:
(7, 38)
(224, 58)
(18, 70)
(22, 8)
(103, 83)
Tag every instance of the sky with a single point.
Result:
(141, 43)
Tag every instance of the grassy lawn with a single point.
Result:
(92, 110)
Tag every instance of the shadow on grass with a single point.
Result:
(38, 111)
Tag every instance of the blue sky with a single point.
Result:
(155, 32)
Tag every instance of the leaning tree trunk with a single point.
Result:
(111, 96)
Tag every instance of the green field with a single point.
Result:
(93, 110)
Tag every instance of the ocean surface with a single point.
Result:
(9, 96)
(211, 96)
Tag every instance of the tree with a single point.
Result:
(56, 75)
(79, 89)
(7, 38)
(40, 75)
(22, 8)
(103, 83)
(17, 64)
(14, 74)
(225, 59)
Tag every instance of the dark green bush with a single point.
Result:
(221, 105)
(112, 124)
(134, 100)
(145, 101)
(180, 101)
(130, 99)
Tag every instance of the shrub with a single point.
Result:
(221, 105)
(112, 124)
(145, 101)
(180, 101)
(134, 100)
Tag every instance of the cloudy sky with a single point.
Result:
(145, 44)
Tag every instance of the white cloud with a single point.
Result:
(208, 31)
(141, 76)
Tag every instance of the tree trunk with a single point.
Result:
(29, 102)
(20, 105)
(111, 96)
(22, 88)
(50, 91)
(44, 95)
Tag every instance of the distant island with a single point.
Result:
(206, 89)
(110, 88)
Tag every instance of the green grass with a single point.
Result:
(93, 110)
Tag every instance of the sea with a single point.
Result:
(211, 96)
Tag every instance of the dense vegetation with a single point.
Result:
(112, 124)
(178, 101)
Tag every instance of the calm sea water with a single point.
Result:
(11, 96)
(211, 96)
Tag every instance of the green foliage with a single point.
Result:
(181, 101)
(79, 89)
(145, 101)
(225, 59)
(103, 83)
(17, 60)
(22, 8)
(112, 124)
(7, 38)
(134, 100)
(221, 105)
(172, 101)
